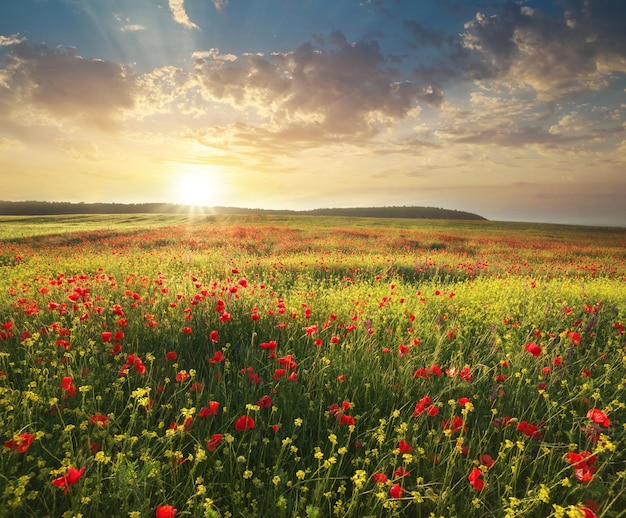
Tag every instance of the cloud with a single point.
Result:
(452, 60)
(132, 28)
(336, 88)
(162, 90)
(126, 26)
(553, 56)
(80, 149)
(14, 39)
(56, 82)
(7, 144)
(180, 15)
(220, 5)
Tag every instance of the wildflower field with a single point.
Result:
(311, 367)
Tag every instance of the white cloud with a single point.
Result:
(180, 15)
(213, 54)
(220, 5)
(14, 39)
(132, 28)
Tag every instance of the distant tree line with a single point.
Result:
(46, 208)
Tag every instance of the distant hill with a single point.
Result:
(45, 208)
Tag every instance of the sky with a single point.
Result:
(513, 110)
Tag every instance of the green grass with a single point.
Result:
(356, 312)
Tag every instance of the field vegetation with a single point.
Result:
(282, 366)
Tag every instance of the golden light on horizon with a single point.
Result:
(195, 185)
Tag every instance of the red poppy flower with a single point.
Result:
(310, 330)
(63, 343)
(436, 370)
(245, 422)
(574, 337)
(396, 491)
(424, 405)
(279, 373)
(106, 336)
(530, 430)
(182, 376)
(99, 420)
(425, 401)
(213, 407)
(20, 443)
(404, 447)
(171, 356)
(587, 513)
(432, 410)
(403, 350)
(533, 349)
(264, 402)
(214, 336)
(217, 357)
(401, 472)
(598, 417)
(196, 386)
(165, 511)
(380, 478)
(487, 460)
(66, 481)
(270, 346)
(214, 441)
(456, 425)
(68, 387)
(466, 374)
(583, 463)
(475, 479)
(209, 410)
(287, 362)
(347, 420)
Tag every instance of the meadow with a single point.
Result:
(311, 367)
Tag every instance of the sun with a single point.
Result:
(195, 189)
